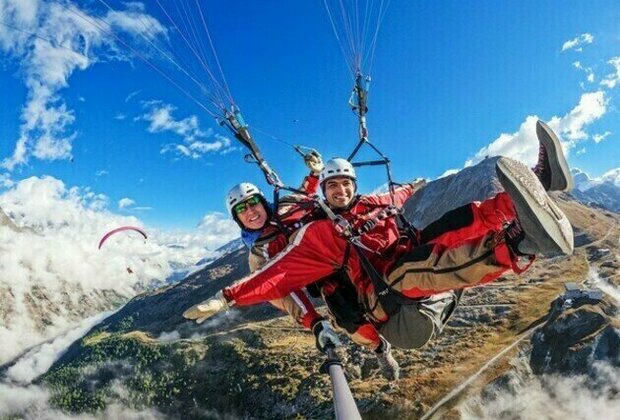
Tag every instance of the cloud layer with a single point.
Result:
(552, 397)
(523, 144)
(53, 276)
(571, 127)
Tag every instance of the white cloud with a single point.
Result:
(600, 137)
(581, 151)
(132, 95)
(613, 176)
(120, 116)
(66, 41)
(161, 119)
(448, 173)
(550, 397)
(381, 189)
(134, 22)
(587, 70)
(52, 279)
(101, 172)
(592, 106)
(169, 337)
(21, 400)
(216, 146)
(612, 79)
(216, 225)
(5, 181)
(124, 203)
(578, 42)
(39, 359)
(590, 76)
(523, 144)
(32, 402)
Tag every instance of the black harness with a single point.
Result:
(390, 299)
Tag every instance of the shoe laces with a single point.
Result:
(542, 159)
(511, 235)
(514, 231)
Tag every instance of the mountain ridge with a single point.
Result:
(603, 192)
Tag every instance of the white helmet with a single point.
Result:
(337, 167)
(241, 192)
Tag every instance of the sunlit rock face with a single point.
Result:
(576, 338)
(570, 369)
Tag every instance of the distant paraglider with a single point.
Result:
(120, 229)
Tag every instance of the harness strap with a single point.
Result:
(389, 298)
(409, 230)
(298, 206)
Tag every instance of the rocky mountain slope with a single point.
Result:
(569, 369)
(256, 363)
(604, 192)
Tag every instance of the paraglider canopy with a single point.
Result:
(120, 229)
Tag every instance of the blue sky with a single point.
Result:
(452, 82)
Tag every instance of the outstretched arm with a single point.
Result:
(316, 251)
(401, 194)
(305, 260)
(297, 304)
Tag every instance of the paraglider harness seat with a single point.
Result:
(391, 300)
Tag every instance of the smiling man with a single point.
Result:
(338, 183)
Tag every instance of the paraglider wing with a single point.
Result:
(120, 229)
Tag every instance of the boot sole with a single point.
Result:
(543, 222)
(563, 180)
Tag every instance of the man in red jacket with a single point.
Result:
(473, 244)
(265, 236)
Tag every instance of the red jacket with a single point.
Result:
(293, 213)
(384, 235)
(317, 250)
(294, 210)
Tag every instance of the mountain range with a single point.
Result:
(603, 192)
(514, 348)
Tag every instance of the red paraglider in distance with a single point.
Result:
(120, 229)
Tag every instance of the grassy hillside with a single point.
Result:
(257, 364)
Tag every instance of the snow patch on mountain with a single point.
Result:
(584, 182)
(603, 191)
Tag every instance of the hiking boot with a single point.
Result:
(387, 364)
(552, 168)
(541, 227)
